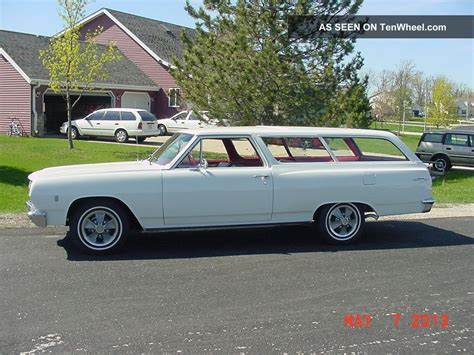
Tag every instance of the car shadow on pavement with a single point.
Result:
(281, 240)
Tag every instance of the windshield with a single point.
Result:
(168, 151)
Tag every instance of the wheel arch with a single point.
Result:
(120, 129)
(364, 207)
(438, 155)
(76, 203)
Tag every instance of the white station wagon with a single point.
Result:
(236, 177)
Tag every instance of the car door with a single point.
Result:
(177, 122)
(458, 148)
(91, 124)
(109, 123)
(193, 121)
(230, 190)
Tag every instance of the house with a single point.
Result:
(465, 107)
(141, 79)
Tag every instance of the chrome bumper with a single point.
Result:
(428, 203)
(36, 216)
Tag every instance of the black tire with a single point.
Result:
(441, 163)
(74, 133)
(349, 226)
(121, 136)
(162, 129)
(140, 139)
(99, 227)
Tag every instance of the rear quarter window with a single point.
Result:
(147, 116)
(127, 116)
(368, 149)
(433, 138)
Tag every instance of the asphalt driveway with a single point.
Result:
(260, 291)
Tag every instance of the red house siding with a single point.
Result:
(143, 60)
(15, 97)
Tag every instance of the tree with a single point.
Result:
(443, 106)
(75, 65)
(242, 66)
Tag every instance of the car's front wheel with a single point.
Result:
(162, 129)
(99, 227)
(74, 133)
(121, 136)
(341, 223)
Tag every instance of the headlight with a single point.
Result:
(29, 185)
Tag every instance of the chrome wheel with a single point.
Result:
(73, 133)
(99, 228)
(162, 129)
(440, 164)
(121, 136)
(343, 221)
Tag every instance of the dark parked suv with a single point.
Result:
(443, 149)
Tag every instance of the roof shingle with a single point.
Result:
(163, 38)
(24, 50)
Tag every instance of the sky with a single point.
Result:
(453, 58)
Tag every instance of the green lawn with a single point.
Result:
(454, 187)
(21, 156)
(394, 127)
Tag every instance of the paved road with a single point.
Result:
(256, 292)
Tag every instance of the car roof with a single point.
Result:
(456, 131)
(121, 109)
(288, 131)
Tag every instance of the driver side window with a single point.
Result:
(213, 151)
(223, 153)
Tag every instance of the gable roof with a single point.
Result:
(162, 40)
(24, 49)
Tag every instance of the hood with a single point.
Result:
(86, 169)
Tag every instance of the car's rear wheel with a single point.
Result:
(162, 129)
(441, 163)
(99, 227)
(121, 136)
(340, 223)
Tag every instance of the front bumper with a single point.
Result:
(428, 203)
(36, 216)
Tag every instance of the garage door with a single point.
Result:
(136, 100)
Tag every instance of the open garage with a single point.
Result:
(55, 108)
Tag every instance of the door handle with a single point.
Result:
(116, 124)
(261, 176)
(448, 148)
(98, 124)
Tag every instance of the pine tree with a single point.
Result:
(242, 66)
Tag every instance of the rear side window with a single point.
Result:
(376, 149)
(364, 149)
(127, 116)
(297, 149)
(433, 138)
(147, 116)
(96, 116)
(457, 139)
(112, 116)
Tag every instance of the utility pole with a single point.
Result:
(426, 104)
(404, 112)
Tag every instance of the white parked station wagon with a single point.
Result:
(236, 177)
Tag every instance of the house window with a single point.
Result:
(174, 99)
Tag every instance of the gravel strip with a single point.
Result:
(20, 220)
